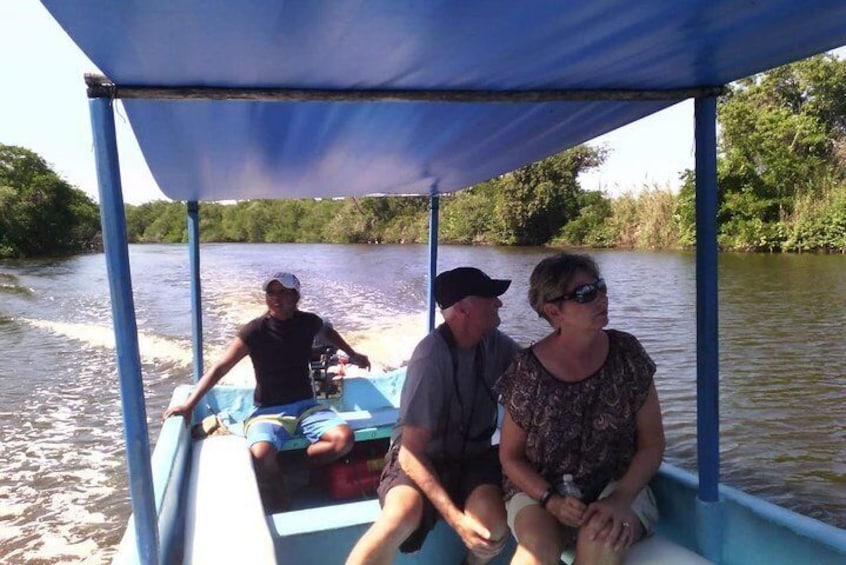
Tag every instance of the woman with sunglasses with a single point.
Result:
(582, 434)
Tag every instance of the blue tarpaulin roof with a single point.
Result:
(215, 150)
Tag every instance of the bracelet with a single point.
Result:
(544, 499)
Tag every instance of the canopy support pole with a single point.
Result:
(196, 290)
(434, 218)
(707, 339)
(113, 220)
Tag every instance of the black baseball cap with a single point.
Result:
(452, 286)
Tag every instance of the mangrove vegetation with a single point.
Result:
(41, 214)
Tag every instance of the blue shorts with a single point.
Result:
(278, 424)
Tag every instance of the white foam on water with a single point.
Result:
(390, 342)
(241, 374)
(59, 474)
(56, 548)
(235, 306)
(151, 348)
(74, 464)
(9, 510)
(8, 532)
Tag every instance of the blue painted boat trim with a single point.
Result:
(171, 469)
(126, 330)
(753, 530)
(196, 289)
(434, 220)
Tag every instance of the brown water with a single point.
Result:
(63, 496)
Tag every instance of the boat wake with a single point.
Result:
(389, 344)
(173, 351)
(62, 486)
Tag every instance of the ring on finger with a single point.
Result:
(626, 525)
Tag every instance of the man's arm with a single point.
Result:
(236, 351)
(355, 358)
(416, 464)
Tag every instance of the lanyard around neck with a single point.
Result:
(479, 377)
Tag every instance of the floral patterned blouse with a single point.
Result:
(585, 428)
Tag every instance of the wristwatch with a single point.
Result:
(547, 494)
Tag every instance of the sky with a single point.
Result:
(43, 108)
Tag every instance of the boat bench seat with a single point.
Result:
(224, 517)
(654, 550)
(300, 531)
(324, 534)
(319, 519)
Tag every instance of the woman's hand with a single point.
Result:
(568, 510)
(616, 514)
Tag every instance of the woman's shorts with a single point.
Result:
(643, 506)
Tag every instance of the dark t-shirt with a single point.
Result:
(280, 351)
(585, 428)
(429, 398)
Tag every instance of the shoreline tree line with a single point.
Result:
(781, 177)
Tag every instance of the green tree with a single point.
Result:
(317, 217)
(782, 137)
(467, 216)
(782, 160)
(140, 218)
(41, 214)
(169, 225)
(591, 226)
(535, 201)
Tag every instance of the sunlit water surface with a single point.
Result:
(63, 495)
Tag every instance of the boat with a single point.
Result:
(322, 99)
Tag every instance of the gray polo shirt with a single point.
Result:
(429, 398)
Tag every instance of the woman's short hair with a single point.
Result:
(552, 276)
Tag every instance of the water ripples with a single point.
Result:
(63, 494)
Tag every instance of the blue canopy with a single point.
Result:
(214, 150)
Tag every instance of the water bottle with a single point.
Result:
(567, 487)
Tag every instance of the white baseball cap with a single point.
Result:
(287, 280)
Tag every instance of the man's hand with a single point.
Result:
(183, 410)
(360, 360)
(476, 537)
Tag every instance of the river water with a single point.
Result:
(63, 495)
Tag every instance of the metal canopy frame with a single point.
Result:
(100, 86)
(129, 366)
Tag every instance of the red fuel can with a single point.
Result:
(354, 478)
(357, 475)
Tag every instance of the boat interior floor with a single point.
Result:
(352, 478)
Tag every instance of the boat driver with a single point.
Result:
(441, 462)
(279, 344)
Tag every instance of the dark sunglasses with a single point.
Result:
(585, 293)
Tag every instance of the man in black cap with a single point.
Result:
(441, 461)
